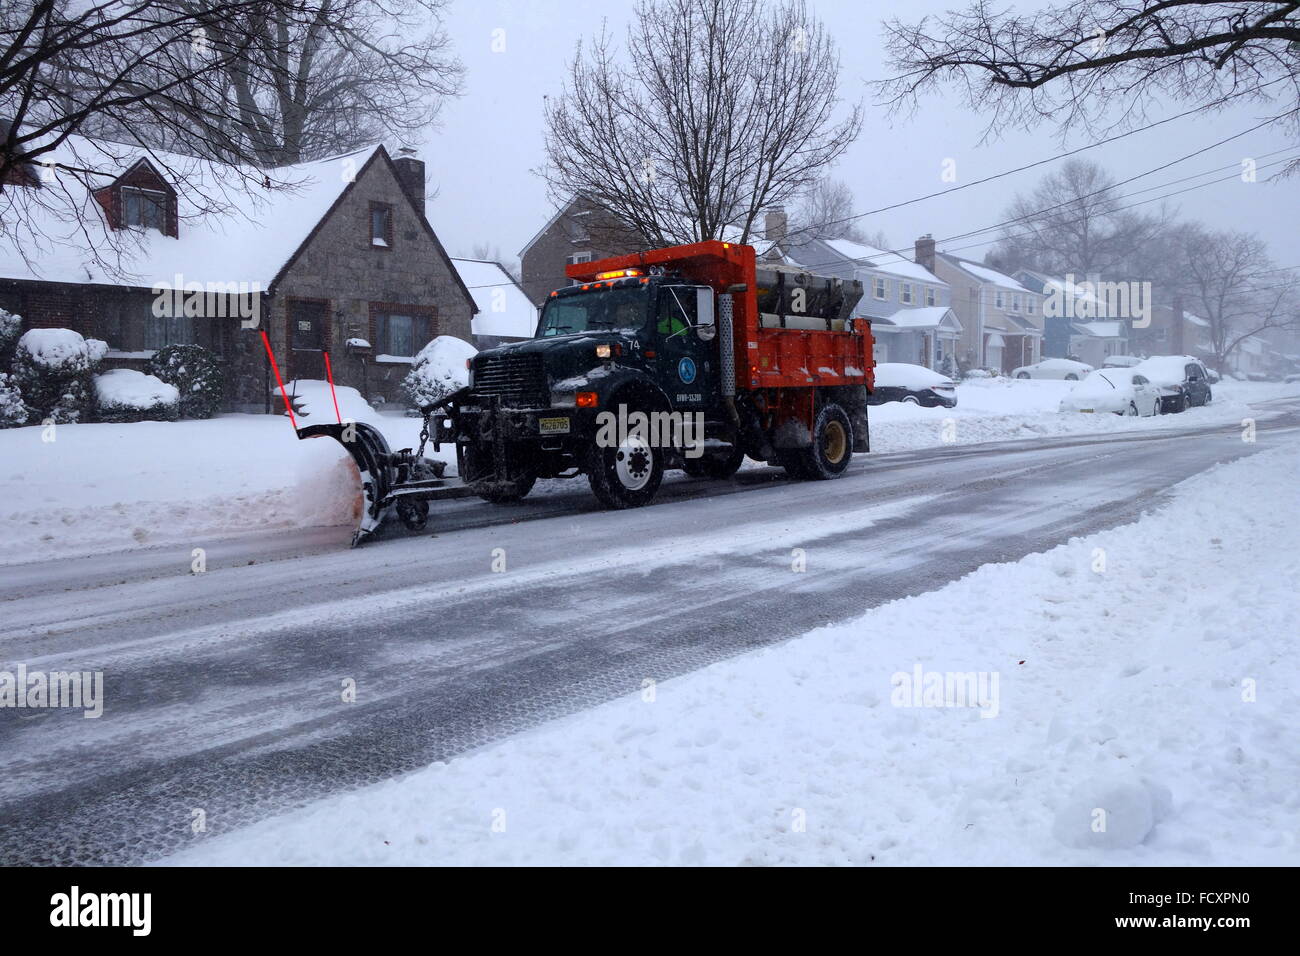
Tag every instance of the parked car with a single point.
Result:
(1058, 368)
(912, 385)
(1183, 381)
(1121, 361)
(1124, 391)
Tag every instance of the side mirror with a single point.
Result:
(705, 325)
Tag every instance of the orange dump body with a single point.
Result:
(766, 357)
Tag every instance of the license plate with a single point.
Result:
(553, 426)
(1088, 410)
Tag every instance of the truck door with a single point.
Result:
(687, 370)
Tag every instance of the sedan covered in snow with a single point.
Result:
(913, 385)
(1182, 379)
(1124, 391)
(1068, 369)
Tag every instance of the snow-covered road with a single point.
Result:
(225, 690)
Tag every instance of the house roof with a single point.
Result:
(1100, 330)
(928, 317)
(549, 223)
(984, 273)
(812, 253)
(503, 308)
(252, 235)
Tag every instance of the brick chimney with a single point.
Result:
(410, 173)
(776, 224)
(924, 254)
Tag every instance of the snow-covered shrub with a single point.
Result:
(13, 411)
(438, 371)
(11, 327)
(197, 375)
(96, 349)
(948, 366)
(52, 368)
(125, 395)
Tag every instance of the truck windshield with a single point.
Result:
(605, 309)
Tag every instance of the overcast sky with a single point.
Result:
(482, 158)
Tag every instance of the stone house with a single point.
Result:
(336, 258)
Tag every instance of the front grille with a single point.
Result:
(518, 379)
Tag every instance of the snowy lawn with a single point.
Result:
(101, 487)
(1156, 698)
(1005, 409)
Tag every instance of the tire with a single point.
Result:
(715, 466)
(1023, 375)
(413, 513)
(1071, 377)
(627, 476)
(910, 400)
(1209, 397)
(1132, 411)
(832, 446)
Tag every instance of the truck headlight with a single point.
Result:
(603, 351)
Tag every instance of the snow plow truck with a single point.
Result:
(690, 357)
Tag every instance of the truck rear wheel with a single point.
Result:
(831, 449)
(628, 475)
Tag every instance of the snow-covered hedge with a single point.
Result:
(52, 368)
(438, 371)
(197, 375)
(10, 328)
(125, 395)
(13, 411)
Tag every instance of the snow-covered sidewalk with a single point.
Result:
(1135, 699)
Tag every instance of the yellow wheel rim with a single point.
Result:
(834, 442)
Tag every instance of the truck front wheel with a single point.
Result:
(831, 450)
(628, 475)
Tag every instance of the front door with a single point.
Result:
(308, 328)
(685, 360)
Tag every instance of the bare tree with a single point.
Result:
(1229, 281)
(718, 109)
(1074, 221)
(336, 74)
(1100, 65)
(826, 212)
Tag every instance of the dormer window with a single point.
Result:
(381, 225)
(143, 209)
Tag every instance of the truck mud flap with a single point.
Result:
(369, 449)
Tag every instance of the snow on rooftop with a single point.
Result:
(503, 308)
(1103, 330)
(991, 276)
(883, 259)
(928, 317)
(248, 239)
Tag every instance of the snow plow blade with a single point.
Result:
(370, 451)
(390, 480)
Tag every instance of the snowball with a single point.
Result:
(1111, 811)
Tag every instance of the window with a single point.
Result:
(905, 293)
(578, 257)
(880, 288)
(931, 295)
(1029, 304)
(999, 299)
(143, 208)
(1015, 302)
(402, 332)
(381, 225)
(168, 331)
